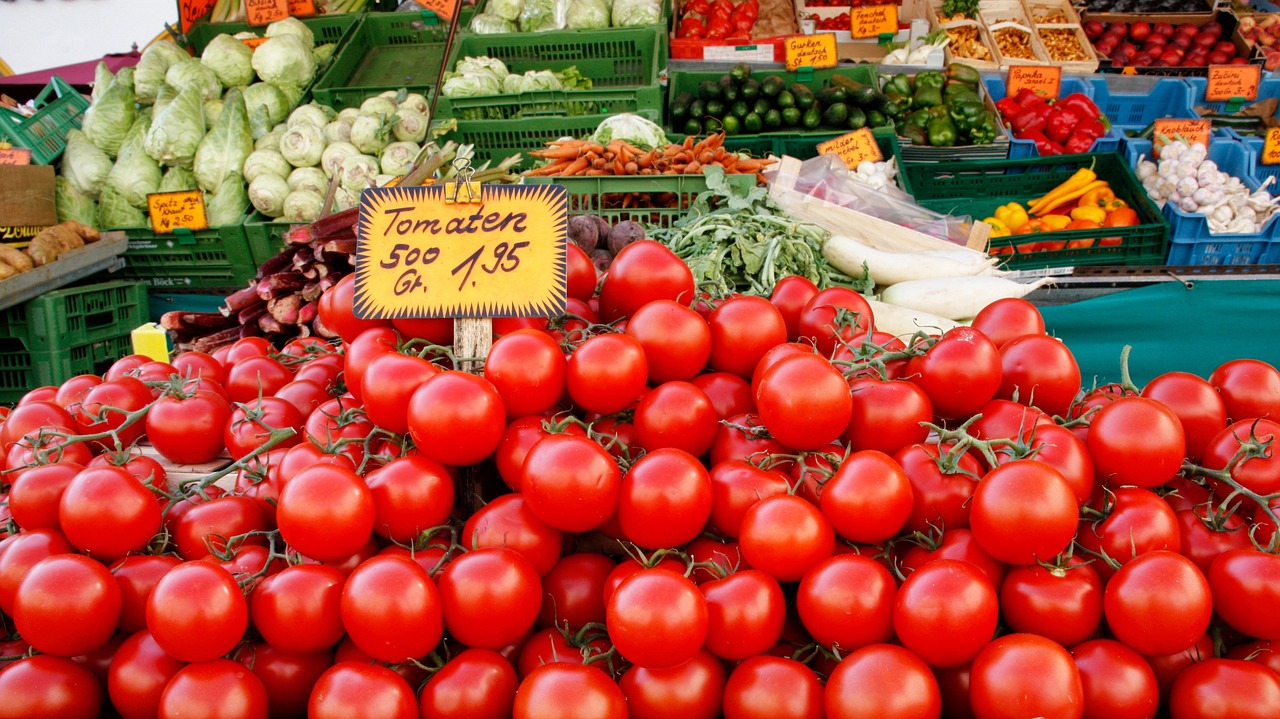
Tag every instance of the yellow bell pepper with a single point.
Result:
(1013, 215)
(1104, 198)
(1089, 212)
(998, 228)
(1055, 222)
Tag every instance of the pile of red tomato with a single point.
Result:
(739, 507)
(717, 19)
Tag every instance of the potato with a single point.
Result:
(52, 242)
(15, 258)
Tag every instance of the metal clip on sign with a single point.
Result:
(463, 190)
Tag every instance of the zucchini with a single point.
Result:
(859, 94)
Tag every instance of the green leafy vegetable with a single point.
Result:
(292, 26)
(176, 134)
(228, 205)
(115, 212)
(193, 73)
(84, 165)
(178, 179)
(230, 60)
(149, 73)
(285, 60)
(73, 205)
(632, 13)
(108, 119)
(223, 151)
(483, 23)
(135, 175)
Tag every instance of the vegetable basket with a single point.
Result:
(327, 29)
(45, 133)
(1132, 103)
(61, 319)
(1191, 242)
(22, 369)
(386, 51)
(495, 140)
(622, 64)
(1019, 149)
(609, 197)
(185, 261)
(977, 188)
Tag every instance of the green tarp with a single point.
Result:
(1170, 328)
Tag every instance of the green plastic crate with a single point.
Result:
(327, 29)
(495, 140)
(60, 109)
(664, 20)
(22, 370)
(623, 65)
(73, 316)
(978, 187)
(217, 258)
(159, 303)
(386, 51)
(601, 195)
(265, 236)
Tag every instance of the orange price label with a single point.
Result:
(1045, 81)
(816, 51)
(418, 254)
(302, 8)
(1192, 131)
(171, 210)
(1271, 147)
(1231, 81)
(15, 156)
(853, 147)
(263, 12)
(192, 10)
(873, 21)
(253, 42)
(444, 9)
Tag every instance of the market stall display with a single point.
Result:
(802, 391)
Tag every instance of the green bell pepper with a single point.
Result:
(931, 78)
(954, 91)
(899, 84)
(985, 129)
(916, 135)
(926, 96)
(942, 132)
(963, 73)
(966, 114)
(895, 105)
(919, 118)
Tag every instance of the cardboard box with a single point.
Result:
(1230, 31)
(26, 196)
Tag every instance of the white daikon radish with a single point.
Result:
(956, 297)
(904, 322)
(848, 254)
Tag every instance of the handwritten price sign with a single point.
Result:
(854, 148)
(1044, 81)
(1271, 147)
(263, 12)
(873, 21)
(302, 8)
(192, 10)
(171, 210)
(1227, 82)
(815, 51)
(1193, 131)
(420, 256)
(15, 156)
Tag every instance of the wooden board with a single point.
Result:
(74, 265)
(178, 473)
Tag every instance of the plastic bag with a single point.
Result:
(827, 178)
(543, 15)
(633, 13)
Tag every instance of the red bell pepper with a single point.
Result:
(697, 7)
(1043, 144)
(1078, 143)
(1062, 122)
(721, 9)
(1028, 98)
(1008, 108)
(1084, 107)
(1031, 119)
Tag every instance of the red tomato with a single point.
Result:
(20, 552)
(67, 605)
(124, 366)
(29, 418)
(607, 373)
(736, 485)
(1063, 603)
(1136, 441)
(336, 311)
(742, 437)
(804, 401)
(250, 426)
(693, 690)
(868, 499)
(199, 365)
(836, 313)
(1250, 388)
(46, 686)
(197, 612)
(392, 609)
(1023, 512)
(729, 393)
(887, 415)
(1197, 404)
(1246, 591)
(217, 688)
(546, 646)
(664, 499)
(298, 610)
(490, 597)
(676, 415)
(573, 591)
(768, 687)
(435, 330)
(1258, 470)
(847, 601)
(657, 640)
(960, 373)
(71, 392)
(581, 273)
(305, 394)
(35, 493)
(743, 328)
(137, 575)
(1023, 675)
(945, 612)
(1158, 603)
(938, 497)
(518, 438)
(785, 536)
(955, 544)
(105, 408)
(790, 295)
(1204, 536)
(569, 691)
(475, 684)
(1117, 681)
(1225, 688)
(256, 376)
(508, 522)
(570, 482)
(528, 369)
(745, 614)
(323, 369)
(107, 513)
(207, 526)
(1136, 521)
(388, 383)
(1008, 318)
(188, 430)
(882, 681)
(138, 675)
(288, 678)
(676, 340)
(410, 496)
(1040, 371)
(642, 272)
(326, 512)
(350, 689)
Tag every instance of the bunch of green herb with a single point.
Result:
(740, 241)
(965, 8)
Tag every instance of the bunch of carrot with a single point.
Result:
(584, 157)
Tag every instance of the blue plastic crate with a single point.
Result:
(1257, 170)
(1191, 243)
(1268, 88)
(1132, 103)
(1019, 149)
